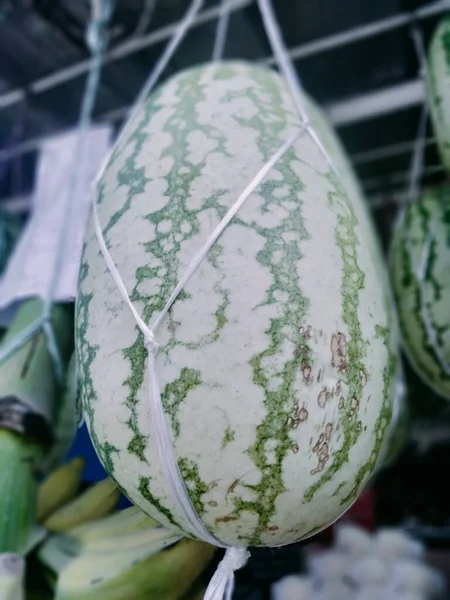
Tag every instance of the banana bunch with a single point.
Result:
(96, 552)
(59, 488)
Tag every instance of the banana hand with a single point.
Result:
(96, 502)
(163, 576)
(119, 523)
(59, 487)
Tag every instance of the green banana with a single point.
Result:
(62, 550)
(120, 522)
(196, 592)
(125, 556)
(59, 487)
(166, 575)
(132, 543)
(96, 502)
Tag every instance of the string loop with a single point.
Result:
(150, 342)
(222, 582)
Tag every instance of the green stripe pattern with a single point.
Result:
(277, 363)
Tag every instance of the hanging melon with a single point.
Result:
(420, 269)
(438, 88)
(277, 364)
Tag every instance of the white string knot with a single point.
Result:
(222, 583)
(150, 342)
(234, 559)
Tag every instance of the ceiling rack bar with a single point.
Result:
(315, 47)
(376, 104)
(363, 32)
(396, 178)
(121, 51)
(368, 156)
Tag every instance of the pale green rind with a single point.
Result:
(400, 424)
(420, 271)
(277, 364)
(438, 88)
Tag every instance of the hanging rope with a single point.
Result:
(418, 153)
(287, 68)
(177, 37)
(96, 37)
(221, 30)
(145, 18)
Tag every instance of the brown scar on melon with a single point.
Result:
(322, 449)
(304, 353)
(226, 519)
(319, 442)
(338, 347)
(323, 397)
(303, 415)
(354, 407)
(232, 486)
(355, 403)
(322, 462)
(299, 416)
(363, 378)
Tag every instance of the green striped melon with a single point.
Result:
(420, 270)
(438, 88)
(277, 365)
(400, 424)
